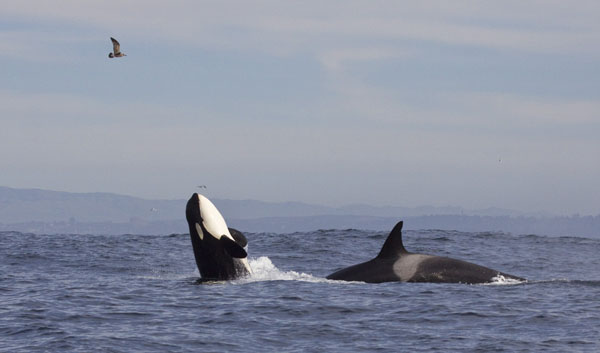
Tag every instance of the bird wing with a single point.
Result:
(116, 46)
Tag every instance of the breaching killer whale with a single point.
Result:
(219, 251)
(395, 264)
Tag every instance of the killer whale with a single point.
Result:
(395, 264)
(220, 252)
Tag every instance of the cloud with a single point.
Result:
(355, 98)
(325, 30)
(534, 110)
(337, 59)
(328, 107)
(64, 110)
(39, 45)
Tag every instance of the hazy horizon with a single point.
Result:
(329, 103)
(447, 209)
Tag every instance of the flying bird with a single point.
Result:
(116, 49)
(202, 186)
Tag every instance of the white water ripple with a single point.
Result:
(263, 269)
(500, 280)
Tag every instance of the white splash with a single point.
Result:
(501, 280)
(264, 270)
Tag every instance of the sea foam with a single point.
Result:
(263, 269)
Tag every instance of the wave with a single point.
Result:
(263, 269)
(575, 282)
(502, 281)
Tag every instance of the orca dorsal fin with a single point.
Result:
(393, 246)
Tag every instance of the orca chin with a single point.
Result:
(220, 252)
(395, 264)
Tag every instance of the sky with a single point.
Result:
(466, 103)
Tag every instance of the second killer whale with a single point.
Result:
(395, 264)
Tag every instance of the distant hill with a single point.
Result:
(35, 205)
(588, 226)
(44, 211)
(27, 205)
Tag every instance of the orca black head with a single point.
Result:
(219, 251)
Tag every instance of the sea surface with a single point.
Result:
(140, 293)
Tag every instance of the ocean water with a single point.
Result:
(140, 293)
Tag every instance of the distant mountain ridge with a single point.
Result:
(26, 205)
(51, 212)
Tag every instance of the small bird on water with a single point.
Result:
(116, 49)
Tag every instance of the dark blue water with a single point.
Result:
(137, 293)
